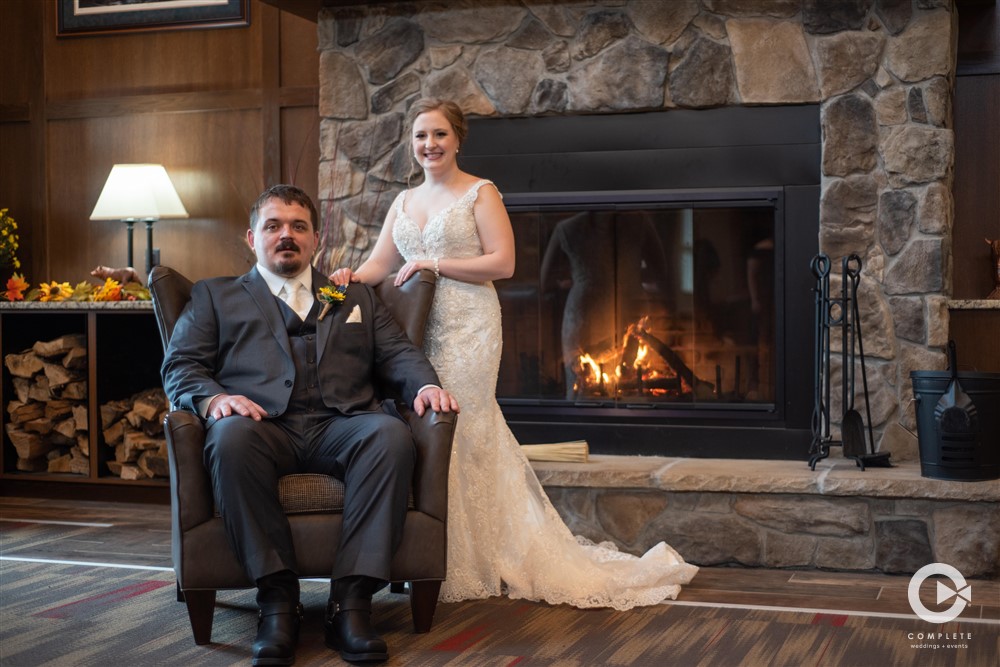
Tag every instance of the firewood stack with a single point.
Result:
(134, 429)
(48, 417)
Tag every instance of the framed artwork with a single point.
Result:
(88, 17)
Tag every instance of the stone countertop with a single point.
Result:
(974, 304)
(832, 477)
(59, 306)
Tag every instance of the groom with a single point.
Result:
(287, 387)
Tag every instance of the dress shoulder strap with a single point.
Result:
(474, 190)
(398, 203)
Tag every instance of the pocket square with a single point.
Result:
(355, 316)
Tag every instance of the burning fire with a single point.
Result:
(640, 356)
(663, 366)
(633, 368)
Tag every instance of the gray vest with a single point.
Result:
(305, 407)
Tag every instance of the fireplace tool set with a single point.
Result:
(845, 315)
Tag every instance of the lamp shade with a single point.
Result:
(138, 192)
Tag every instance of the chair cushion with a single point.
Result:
(310, 493)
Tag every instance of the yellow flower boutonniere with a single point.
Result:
(331, 296)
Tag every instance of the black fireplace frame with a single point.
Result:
(760, 156)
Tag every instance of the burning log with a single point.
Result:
(673, 360)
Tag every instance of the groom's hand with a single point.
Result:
(435, 398)
(226, 405)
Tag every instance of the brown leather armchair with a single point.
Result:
(203, 560)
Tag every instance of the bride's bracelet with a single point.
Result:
(437, 268)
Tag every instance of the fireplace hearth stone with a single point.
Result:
(781, 514)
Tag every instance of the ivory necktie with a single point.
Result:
(297, 298)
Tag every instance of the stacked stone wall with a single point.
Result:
(882, 70)
(781, 514)
(892, 535)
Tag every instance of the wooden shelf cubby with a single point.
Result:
(124, 355)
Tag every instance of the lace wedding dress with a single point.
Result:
(504, 536)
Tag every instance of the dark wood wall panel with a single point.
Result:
(977, 183)
(226, 111)
(299, 63)
(212, 161)
(300, 148)
(975, 333)
(136, 63)
(19, 65)
(16, 186)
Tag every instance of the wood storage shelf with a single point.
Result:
(80, 394)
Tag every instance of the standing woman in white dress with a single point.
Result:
(504, 536)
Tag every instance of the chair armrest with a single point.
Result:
(190, 486)
(432, 434)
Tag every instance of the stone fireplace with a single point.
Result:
(876, 74)
(661, 295)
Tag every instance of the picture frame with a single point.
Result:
(91, 17)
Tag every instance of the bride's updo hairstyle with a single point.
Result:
(452, 112)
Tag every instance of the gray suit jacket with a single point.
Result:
(231, 339)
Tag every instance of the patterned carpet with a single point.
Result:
(81, 615)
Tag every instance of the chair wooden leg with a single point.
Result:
(201, 609)
(180, 593)
(423, 602)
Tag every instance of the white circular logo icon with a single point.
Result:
(962, 593)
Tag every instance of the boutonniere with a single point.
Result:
(331, 296)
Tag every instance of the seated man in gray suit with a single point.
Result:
(288, 387)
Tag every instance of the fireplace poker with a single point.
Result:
(820, 447)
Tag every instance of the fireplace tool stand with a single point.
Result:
(842, 313)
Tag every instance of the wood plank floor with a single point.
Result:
(139, 534)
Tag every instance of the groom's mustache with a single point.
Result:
(288, 245)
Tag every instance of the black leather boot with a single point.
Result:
(279, 619)
(277, 634)
(348, 621)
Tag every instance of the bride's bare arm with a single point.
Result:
(380, 263)
(496, 236)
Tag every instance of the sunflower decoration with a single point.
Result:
(54, 291)
(331, 296)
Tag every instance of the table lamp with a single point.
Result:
(139, 192)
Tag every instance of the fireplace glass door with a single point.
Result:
(641, 305)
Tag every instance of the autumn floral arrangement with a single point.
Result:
(18, 289)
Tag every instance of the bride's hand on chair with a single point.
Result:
(412, 267)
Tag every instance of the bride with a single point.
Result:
(504, 536)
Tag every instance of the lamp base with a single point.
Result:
(152, 254)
